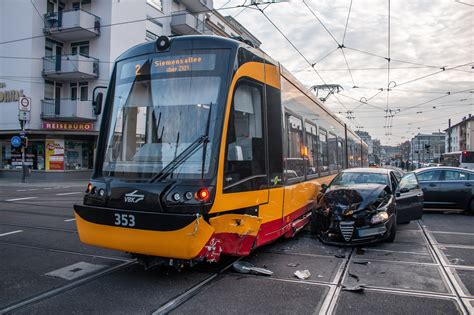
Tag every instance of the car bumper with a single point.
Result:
(362, 235)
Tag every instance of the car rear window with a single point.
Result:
(455, 175)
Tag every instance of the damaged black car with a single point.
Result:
(364, 205)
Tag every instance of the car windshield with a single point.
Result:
(161, 105)
(352, 178)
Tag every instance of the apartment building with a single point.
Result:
(461, 135)
(58, 51)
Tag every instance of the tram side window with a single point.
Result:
(245, 151)
(332, 146)
(294, 157)
(311, 145)
(323, 161)
(340, 154)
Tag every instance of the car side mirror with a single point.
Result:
(324, 187)
(97, 103)
(397, 194)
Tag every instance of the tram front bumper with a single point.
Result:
(181, 236)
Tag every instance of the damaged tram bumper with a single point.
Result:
(180, 236)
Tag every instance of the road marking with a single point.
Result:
(24, 198)
(48, 188)
(21, 190)
(69, 220)
(69, 193)
(32, 189)
(12, 232)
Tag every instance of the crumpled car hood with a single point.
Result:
(356, 198)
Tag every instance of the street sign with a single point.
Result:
(16, 141)
(24, 104)
(24, 115)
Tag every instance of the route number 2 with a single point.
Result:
(124, 220)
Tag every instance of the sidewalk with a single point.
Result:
(16, 182)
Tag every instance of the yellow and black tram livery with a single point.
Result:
(207, 147)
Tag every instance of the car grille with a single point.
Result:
(347, 229)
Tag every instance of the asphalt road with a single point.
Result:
(45, 269)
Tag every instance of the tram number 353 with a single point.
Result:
(124, 219)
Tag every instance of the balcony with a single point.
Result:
(67, 110)
(183, 22)
(70, 67)
(71, 25)
(198, 6)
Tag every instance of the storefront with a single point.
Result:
(58, 147)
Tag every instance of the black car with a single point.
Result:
(447, 187)
(364, 205)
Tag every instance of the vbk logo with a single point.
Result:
(133, 197)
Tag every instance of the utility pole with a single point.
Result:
(24, 109)
(23, 166)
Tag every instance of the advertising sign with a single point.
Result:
(54, 154)
(70, 126)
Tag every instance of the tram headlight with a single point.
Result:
(202, 194)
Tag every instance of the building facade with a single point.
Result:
(60, 51)
(461, 135)
(427, 148)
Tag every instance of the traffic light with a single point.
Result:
(24, 142)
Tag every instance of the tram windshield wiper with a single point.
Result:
(186, 153)
(180, 158)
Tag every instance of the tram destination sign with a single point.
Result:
(69, 126)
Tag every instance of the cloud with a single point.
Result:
(424, 36)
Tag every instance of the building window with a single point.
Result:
(73, 91)
(157, 4)
(150, 36)
(84, 88)
(81, 48)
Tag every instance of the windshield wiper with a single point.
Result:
(190, 150)
(180, 158)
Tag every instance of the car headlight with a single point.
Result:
(380, 217)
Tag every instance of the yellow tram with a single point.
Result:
(207, 147)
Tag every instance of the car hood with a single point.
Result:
(358, 197)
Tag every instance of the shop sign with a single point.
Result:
(54, 154)
(10, 96)
(71, 126)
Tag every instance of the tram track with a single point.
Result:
(36, 227)
(59, 290)
(175, 302)
(450, 279)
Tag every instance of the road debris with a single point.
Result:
(354, 276)
(302, 274)
(361, 262)
(246, 267)
(360, 251)
(340, 256)
(357, 289)
(292, 265)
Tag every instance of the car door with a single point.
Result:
(455, 188)
(429, 181)
(409, 197)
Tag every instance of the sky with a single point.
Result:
(430, 45)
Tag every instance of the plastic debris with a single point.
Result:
(357, 289)
(340, 256)
(292, 265)
(302, 274)
(354, 276)
(361, 262)
(320, 276)
(246, 267)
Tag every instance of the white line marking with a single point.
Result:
(69, 220)
(48, 188)
(21, 190)
(25, 198)
(69, 193)
(33, 189)
(12, 232)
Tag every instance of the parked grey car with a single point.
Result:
(447, 187)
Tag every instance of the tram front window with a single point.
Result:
(161, 105)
